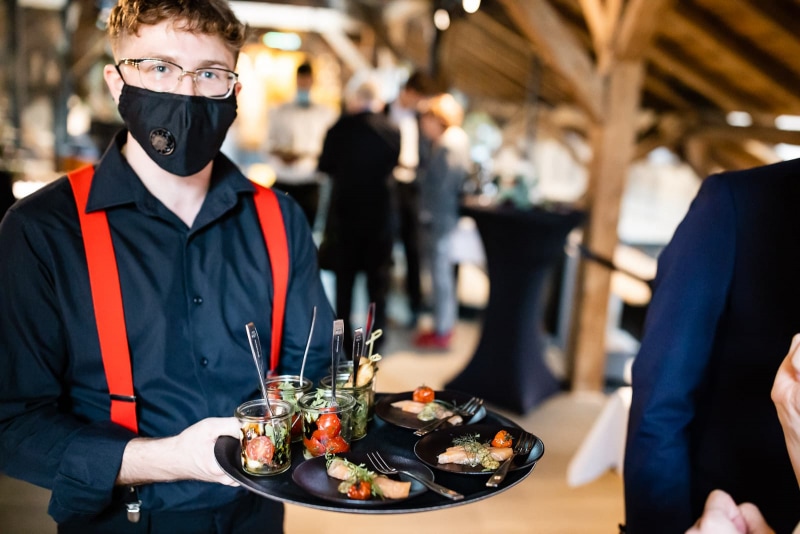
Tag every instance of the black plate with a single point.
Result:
(397, 417)
(429, 447)
(312, 476)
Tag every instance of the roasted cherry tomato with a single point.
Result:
(502, 439)
(336, 445)
(330, 424)
(260, 449)
(360, 490)
(314, 446)
(423, 394)
(321, 436)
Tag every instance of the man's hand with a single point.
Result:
(723, 516)
(187, 456)
(786, 396)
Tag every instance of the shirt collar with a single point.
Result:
(115, 183)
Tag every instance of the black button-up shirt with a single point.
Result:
(187, 295)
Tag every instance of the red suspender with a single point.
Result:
(269, 215)
(107, 300)
(107, 295)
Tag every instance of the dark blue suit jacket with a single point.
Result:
(725, 307)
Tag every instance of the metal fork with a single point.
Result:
(381, 466)
(525, 443)
(468, 409)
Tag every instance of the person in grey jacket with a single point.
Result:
(440, 187)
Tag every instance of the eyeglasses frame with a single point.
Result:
(136, 62)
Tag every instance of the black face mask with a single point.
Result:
(181, 133)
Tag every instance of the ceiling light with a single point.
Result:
(788, 122)
(471, 6)
(739, 118)
(282, 40)
(441, 19)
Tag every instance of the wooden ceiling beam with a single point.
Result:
(659, 88)
(740, 134)
(494, 53)
(469, 42)
(760, 22)
(728, 53)
(500, 33)
(560, 49)
(676, 63)
(732, 156)
(640, 21)
(602, 17)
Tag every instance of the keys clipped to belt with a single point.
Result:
(133, 504)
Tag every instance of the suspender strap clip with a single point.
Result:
(133, 505)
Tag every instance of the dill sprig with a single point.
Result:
(477, 452)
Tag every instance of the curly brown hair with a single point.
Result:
(210, 17)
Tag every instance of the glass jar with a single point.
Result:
(326, 424)
(365, 401)
(266, 439)
(289, 389)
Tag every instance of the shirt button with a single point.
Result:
(198, 300)
(204, 362)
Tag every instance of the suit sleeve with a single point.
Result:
(694, 274)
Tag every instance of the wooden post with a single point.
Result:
(613, 145)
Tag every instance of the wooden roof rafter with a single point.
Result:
(559, 49)
(733, 56)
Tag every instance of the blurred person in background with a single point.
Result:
(296, 132)
(117, 411)
(440, 187)
(6, 191)
(414, 149)
(359, 154)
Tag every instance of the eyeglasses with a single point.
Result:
(164, 76)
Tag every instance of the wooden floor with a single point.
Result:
(542, 503)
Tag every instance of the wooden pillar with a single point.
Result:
(613, 145)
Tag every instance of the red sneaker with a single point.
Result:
(432, 340)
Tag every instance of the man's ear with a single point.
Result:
(237, 88)
(114, 81)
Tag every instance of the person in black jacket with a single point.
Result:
(722, 514)
(192, 269)
(414, 150)
(359, 153)
(718, 326)
(6, 192)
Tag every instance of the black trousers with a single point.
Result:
(248, 515)
(378, 278)
(307, 195)
(407, 199)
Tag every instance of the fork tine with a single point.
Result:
(478, 404)
(525, 443)
(472, 406)
(373, 462)
(467, 406)
(380, 464)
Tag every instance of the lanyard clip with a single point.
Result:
(134, 505)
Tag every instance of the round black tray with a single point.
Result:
(385, 438)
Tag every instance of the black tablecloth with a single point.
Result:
(508, 368)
